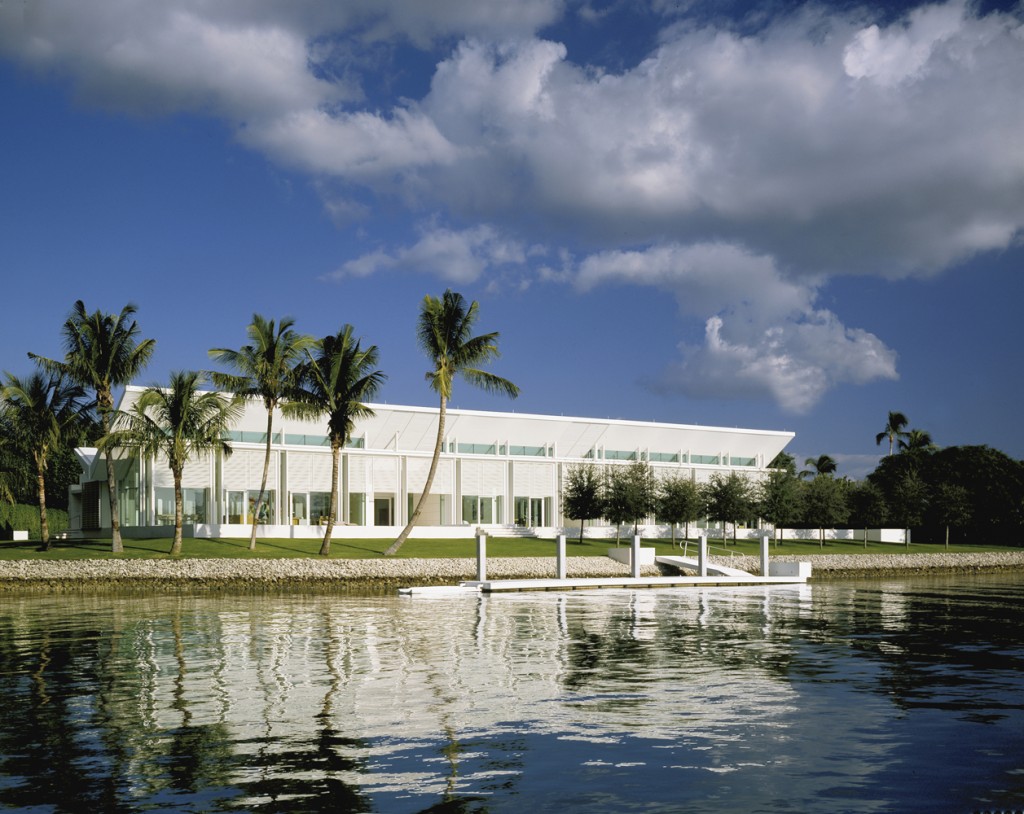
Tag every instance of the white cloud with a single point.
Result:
(833, 146)
(829, 142)
(749, 167)
(794, 363)
(902, 53)
(455, 256)
(764, 337)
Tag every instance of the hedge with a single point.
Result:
(19, 517)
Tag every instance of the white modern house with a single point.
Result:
(498, 471)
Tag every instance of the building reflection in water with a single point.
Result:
(319, 702)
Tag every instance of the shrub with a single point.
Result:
(20, 517)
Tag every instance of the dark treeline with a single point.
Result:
(961, 494)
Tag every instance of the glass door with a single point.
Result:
(299, 515)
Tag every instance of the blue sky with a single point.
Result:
(796, 219)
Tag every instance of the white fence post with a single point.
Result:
(702, 553)
(560, 563)
(634, 560)
(764, 555)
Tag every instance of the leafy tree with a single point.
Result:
(616, 501)
(445, 334)
(631, 494)
(337, 377)
(101, 352)
(822, 465)
(867, 507)
(41, 412)
(7, 456)
(779, 499)
(265, 371)
(729, 498)
(994, 483)
(825, 504)
(679, 501)
(894, 430)
(909, 502)
(179, 422)
(952, 506)
(583, 496)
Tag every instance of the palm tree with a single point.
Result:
(917, 441)
(103, 351)
(822, 465)
(179, 422)
(43, 411)
(335, 380)
(444, 332)
(6, 453)
(893, 430)
(266, 371)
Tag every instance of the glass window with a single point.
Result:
(470, 509)
(299, 515)
(704, 459)
(320, 507)
(357, 508)
(164, 505)
(382, 511)
(236, 507)
(522, 511)
(264, 512)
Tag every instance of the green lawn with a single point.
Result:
(361, 549)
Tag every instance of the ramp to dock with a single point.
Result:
(694, 565)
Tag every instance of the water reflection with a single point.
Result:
(861, 696)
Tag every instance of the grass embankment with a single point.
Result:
(195, 548)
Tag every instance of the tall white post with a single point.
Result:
(481, 557)
(634, 559)
(764, 555)
(702, 553)
(560, 563)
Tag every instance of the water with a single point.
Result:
(857, 697)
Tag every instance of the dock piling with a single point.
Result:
(481, 557)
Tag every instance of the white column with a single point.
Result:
(702, 553)
(764, 555)
(634, 558)
(560, 570)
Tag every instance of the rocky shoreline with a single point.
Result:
(57, 575)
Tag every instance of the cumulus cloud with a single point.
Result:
(764, 337)
(794, 363)
(747, 167)
(831, 142)
(456, 256)
(831, 145)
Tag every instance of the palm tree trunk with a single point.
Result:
(106, 403)
(397, 544)
(44, 526)
(178, 513)
(116, 545)
(263, 482)
(325, 548)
